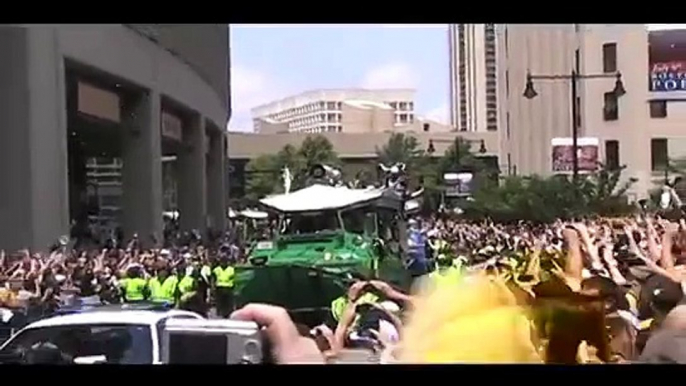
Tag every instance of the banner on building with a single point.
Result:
(563, 154)
(668, 76)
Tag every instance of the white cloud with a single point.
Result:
(439, 114)
(391, 75)
(250, 88)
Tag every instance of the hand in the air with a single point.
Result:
(289, 347)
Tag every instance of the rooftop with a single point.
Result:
(335, 94)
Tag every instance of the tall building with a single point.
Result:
(642, 129)
(72, 94)
(473, 77)
(336, 110)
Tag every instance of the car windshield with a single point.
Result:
(308, 223)
(119, 344)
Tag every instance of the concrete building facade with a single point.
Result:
(336, 110)
(643, 129)
(108, 86)
(473, 56)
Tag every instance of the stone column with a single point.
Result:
(192, 177)
(34, 204)
(142, 171)
(216, 179)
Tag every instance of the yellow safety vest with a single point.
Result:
(224, 276)
(134, 289)
(186, 284)
(338, 306)
(340, 303)
(163, 292)
(447, 276)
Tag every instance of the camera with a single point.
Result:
(213, 341)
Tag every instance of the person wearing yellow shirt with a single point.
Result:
(223, 276)
(134, 287)
(162, 287)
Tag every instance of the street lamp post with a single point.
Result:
(574, 77)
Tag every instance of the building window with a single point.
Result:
(612, 154)
(659, 153)
(658, 109)
(410, 106)
(611, 108)
(403, 118)
(609, 57)
(331, 105)
(410, 118)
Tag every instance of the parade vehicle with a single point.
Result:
(329, 235)
(117, 334)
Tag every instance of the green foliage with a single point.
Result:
(459, 156)
(406, 149)
(401, 148)
(262, 173)
(265, 172)
(544, 200)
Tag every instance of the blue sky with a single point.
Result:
(273, 61)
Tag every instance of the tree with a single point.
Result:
(317, 149)
(543, 200)
(263, 176)
(459, 155)
(400, 148)
(265, 172)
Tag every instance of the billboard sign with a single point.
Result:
(668, 76)
(458, 184)
(563, 154)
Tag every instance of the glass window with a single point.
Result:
(658, 109)
(612, 154)
(659, 153)
(610, 57)
(120, 344)
(611, 108)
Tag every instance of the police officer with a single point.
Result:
(162, 286)
(134, 288)
(191, 290)
(223, 275)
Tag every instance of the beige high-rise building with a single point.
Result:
(642, 129)
(473, 77)
(336, 110)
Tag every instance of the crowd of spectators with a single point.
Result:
(591, 291)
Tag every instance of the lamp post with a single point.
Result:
(574, 77)
(431, 149)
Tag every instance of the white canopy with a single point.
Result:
(249, 213)
(256, 214)
(320, 197)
